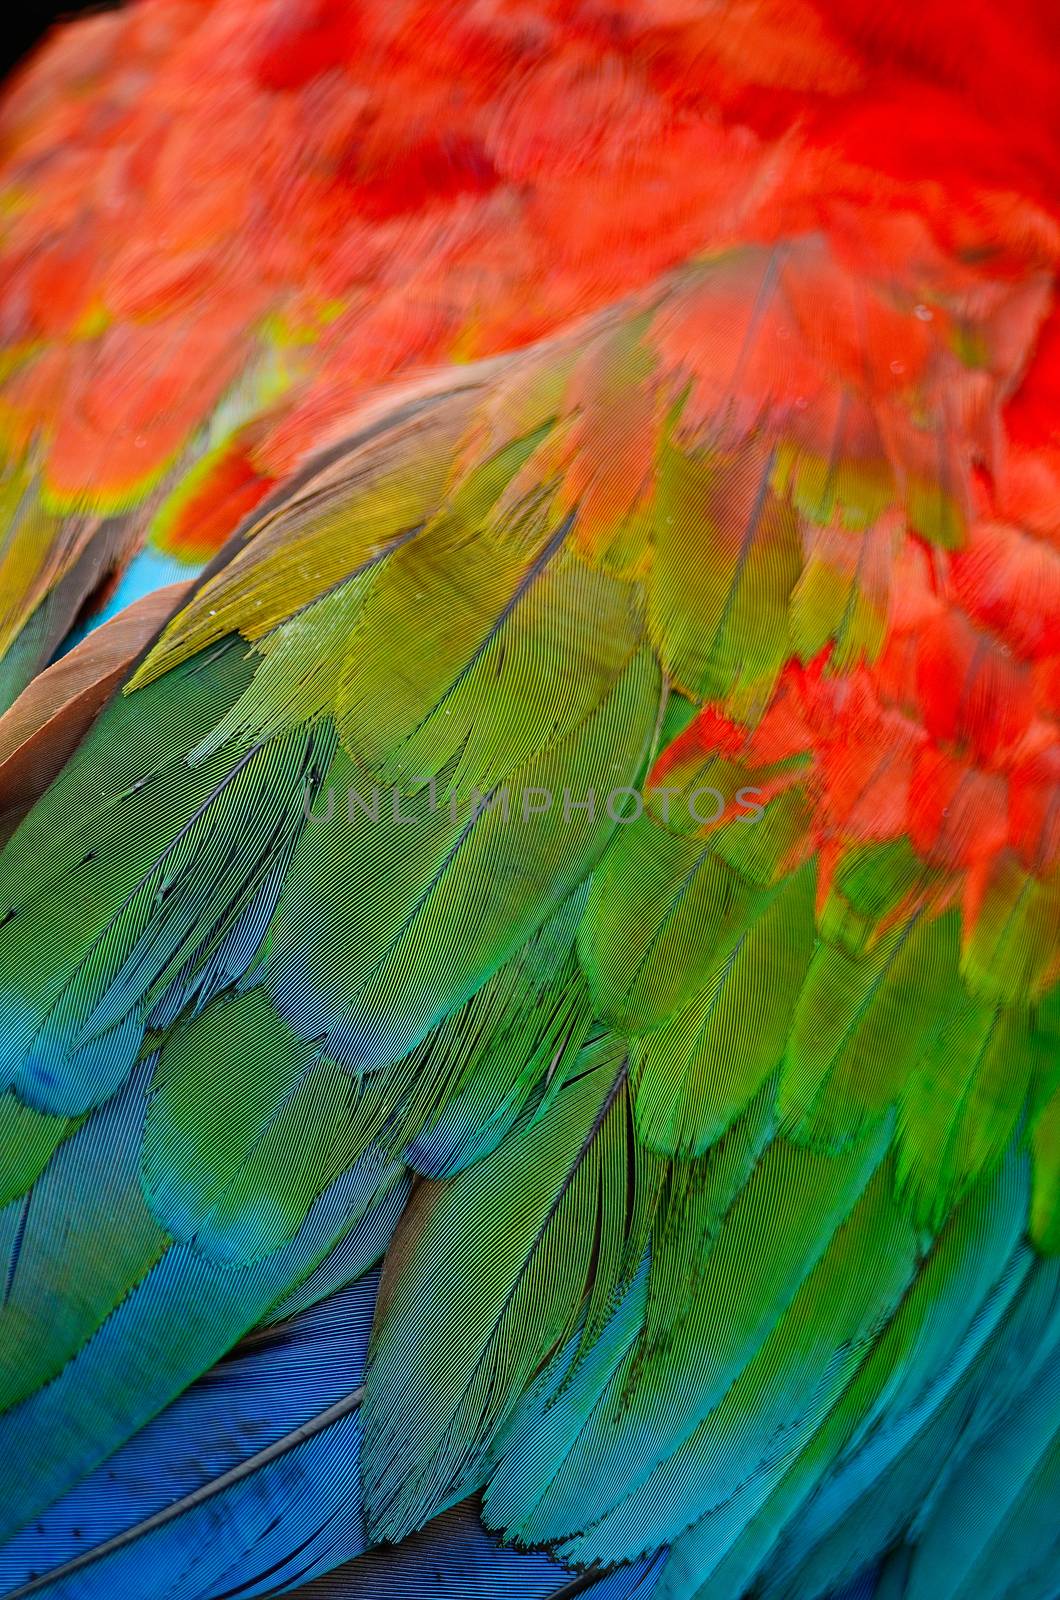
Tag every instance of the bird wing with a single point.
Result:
(591, 843)
(223, 223)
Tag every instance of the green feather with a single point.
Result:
(720, 621)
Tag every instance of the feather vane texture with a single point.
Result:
(590, 845)
(225, 223)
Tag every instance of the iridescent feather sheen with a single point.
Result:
(531, 993)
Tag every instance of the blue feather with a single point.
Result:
(149, 569)
(143, 1354)
(454, 1558)
(248, 1484)
(219, 1488)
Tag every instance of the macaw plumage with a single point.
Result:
(530, 987)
